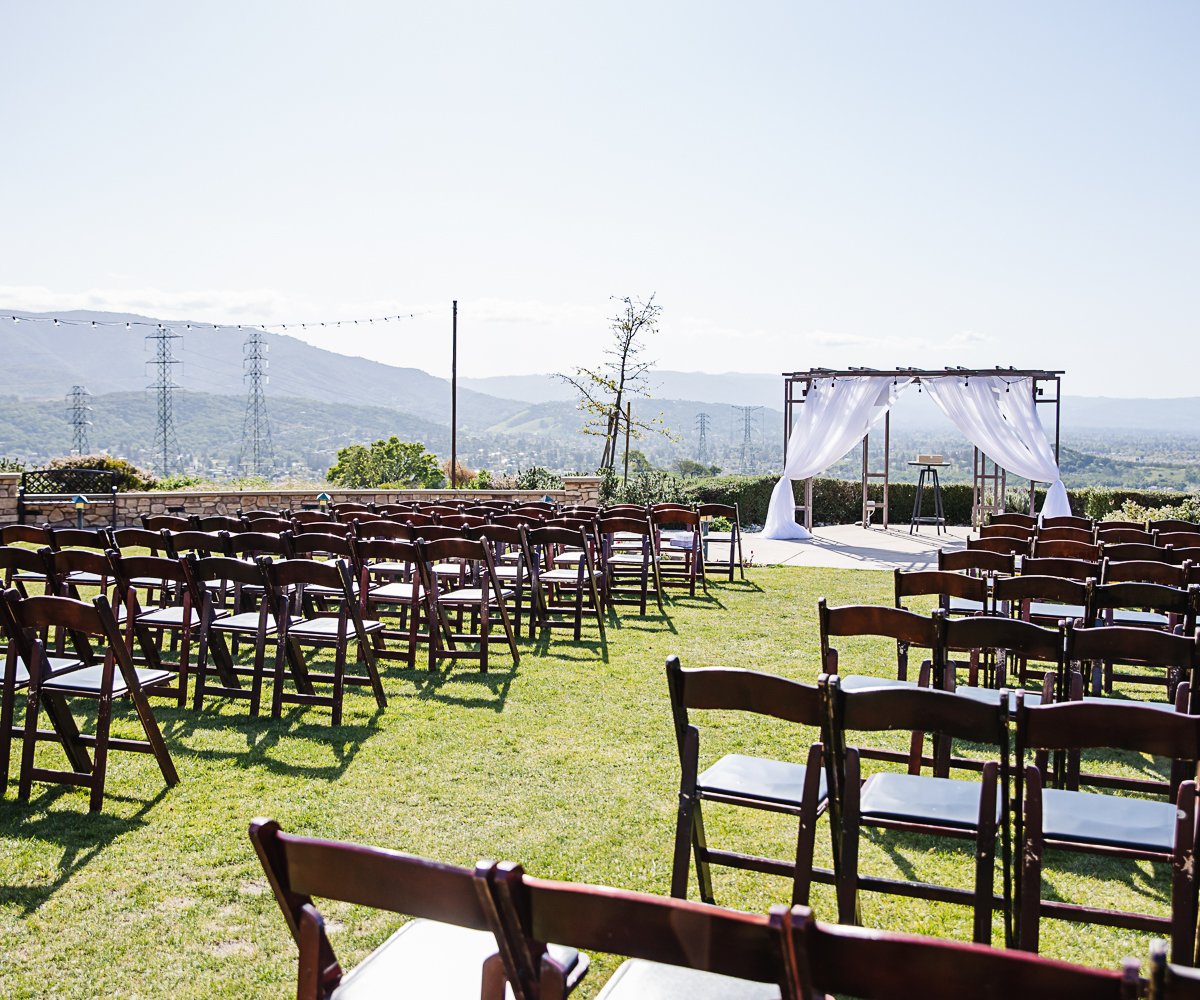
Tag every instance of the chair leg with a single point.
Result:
(985, 856)
(1029, 899)
(339, 682)
(1183, 879)
(27, 746)
(700, 849)
(847, 875)
(154, 735)
(806, 832)
(103, 723)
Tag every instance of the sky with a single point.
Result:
(799, 184)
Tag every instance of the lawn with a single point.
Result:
(567, 764)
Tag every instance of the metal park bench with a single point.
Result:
(60, 486)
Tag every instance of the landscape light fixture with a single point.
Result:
(323, 500)
(80, 504)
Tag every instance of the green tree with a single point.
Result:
(691, 469)
(392, 462)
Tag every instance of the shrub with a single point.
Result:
(537, 478)
(129, 477)
(655, 486)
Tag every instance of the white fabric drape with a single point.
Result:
(1000, 418)
(836, 415)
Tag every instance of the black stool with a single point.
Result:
(938, 519)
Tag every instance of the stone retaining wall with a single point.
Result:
(131, 506)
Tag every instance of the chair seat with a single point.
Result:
(172, 616)
(989, 696)
(327, 627)
(247, 621)
(1047, 609)
(83, 578)
(920, 798)
(395, 568)
(560, 576)
(473, 595)
(56, 663)
(963, 606)
(1143, 619)
(644, 980)
(634, 559)
(88, 680)
(317, 590)
(862, 682)
(395, 592)
(1160, 706)
(514, 573)
(758, 778)
(432, 959)
(449, 569)
(1088, 818)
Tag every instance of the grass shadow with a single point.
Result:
(436, 686)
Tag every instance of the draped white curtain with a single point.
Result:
(999, 416)
(836, 415)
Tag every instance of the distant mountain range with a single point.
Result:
(320, 401)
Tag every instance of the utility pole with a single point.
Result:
(702, 420)
(256, 427)
(165, 442)
(454, 396)
(78, 409)
(747, 413)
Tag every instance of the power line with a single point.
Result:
(702, 420)
(78, 409)
(129, 324)
(256, 428)
(166, 443)
(747, 413)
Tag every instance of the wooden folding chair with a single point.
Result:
(1003, 544)
(391, 590)
(1013, 518)
(875, 965)
(1054, 549)
(478, 594)
(629, 561)
(679, 547)
(754, 782)
(732, 538)
(101, 674)
(957, 593)
(905, 628)
(1066, 534)
(561, 590)
(288, 582)
(456, 949)
(514, 568)
(917, 803)
(675, 948)
(1116, 826)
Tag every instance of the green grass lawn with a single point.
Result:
(567, 765)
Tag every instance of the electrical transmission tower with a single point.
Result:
(166, 444)
(78, 409)
(256, 456)
(747, 413)
(702, 420)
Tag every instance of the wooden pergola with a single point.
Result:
(989, 480)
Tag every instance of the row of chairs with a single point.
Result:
(494, 930)
(1080, 538)
(1022, 731)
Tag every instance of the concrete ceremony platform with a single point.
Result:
(850, 546)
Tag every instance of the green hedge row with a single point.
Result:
(839, 501)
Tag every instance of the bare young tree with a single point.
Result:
(605, 391)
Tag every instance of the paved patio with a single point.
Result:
(849, 546)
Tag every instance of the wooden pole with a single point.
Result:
(628, 420)
(454, 396)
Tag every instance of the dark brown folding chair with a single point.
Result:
(266, 524)
(391, 590)
(1111, 535)
(393, 530)
(629, 561)
(1005, 531)
(915, 802)
(1143, 571)
(218, 522)
(1067, 569)
(1172, 524)
(1044, 600)
(343, 529)
(957, 593)
(313, 517)
(24, 569)
(201, 543)
(1003, 544)
(874, 965)
(101, 673)
(1067, 521)
(905, 628)
(675, 948)
(559, 589)
(476, 596)
(514, 568)
(1065, 534)
(1177, 539)
(1013, 518)
(1160, 657)
(1065, 550)
(36, 536)
(167, 522)
(753, 781)
(1111, 825)
(288, 583)
(679, 547)
(456, 948)
(731, 538)
(977, 562)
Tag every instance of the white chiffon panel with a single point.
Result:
(999, 416)
(837, 413)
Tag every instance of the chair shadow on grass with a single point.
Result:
(436, 685)
(262, 734)
(589, 649)
(80, 834)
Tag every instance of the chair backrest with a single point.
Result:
(1006, 544)
(1108, 724)
(138, 538)
(1066, 534)
(224, 569)
(730, 511)
(1143, 570)
(1140, 551)
(871, 620)
(673, 515)
(1057, 589)
(256, 543)
(266, 525)
(312, 517)
(78, 561)
(1067, 521)
(79, 538)
(93, 619)
(341, 528)
(1110, 535)
(218, 522)
(515, 520)
(1144, 596)
(347, 506)
(1065, 550)
(982, 632)
(309, 544)
(126, 569)
(390, 550)
(739, 690)
(1014, 518)
(938, 583)
(557, 534)
(1114, 525)
(284, 573)
(915, 709)
(203, 543)
(497, 534)
(437, 532)
(1067, 569)
(1178, 539)
(611, 524)
(1126, 644)
(25, 534)
(384, 529)
(1005, 531)
(637, 925)
(977, 561)
(1173, 524)
(359, 515)
(14, 559)
(457, 520)
(167, 522)
(877, 965)
(299, 868)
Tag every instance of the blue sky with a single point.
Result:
(872, 183)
